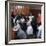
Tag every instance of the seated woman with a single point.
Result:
(29, 28)
(20, 33)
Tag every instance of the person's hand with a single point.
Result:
(15, 28)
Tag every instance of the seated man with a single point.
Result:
(34, 26)
(39, 25)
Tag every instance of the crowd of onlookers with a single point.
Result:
(25, 24)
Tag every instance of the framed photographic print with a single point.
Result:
(24, 22)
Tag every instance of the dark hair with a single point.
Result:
(12, 15)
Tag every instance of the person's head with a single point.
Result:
(19, 9)
(14, 11)
(25, 10)
(39, 18)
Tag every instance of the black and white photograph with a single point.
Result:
(24, 22)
